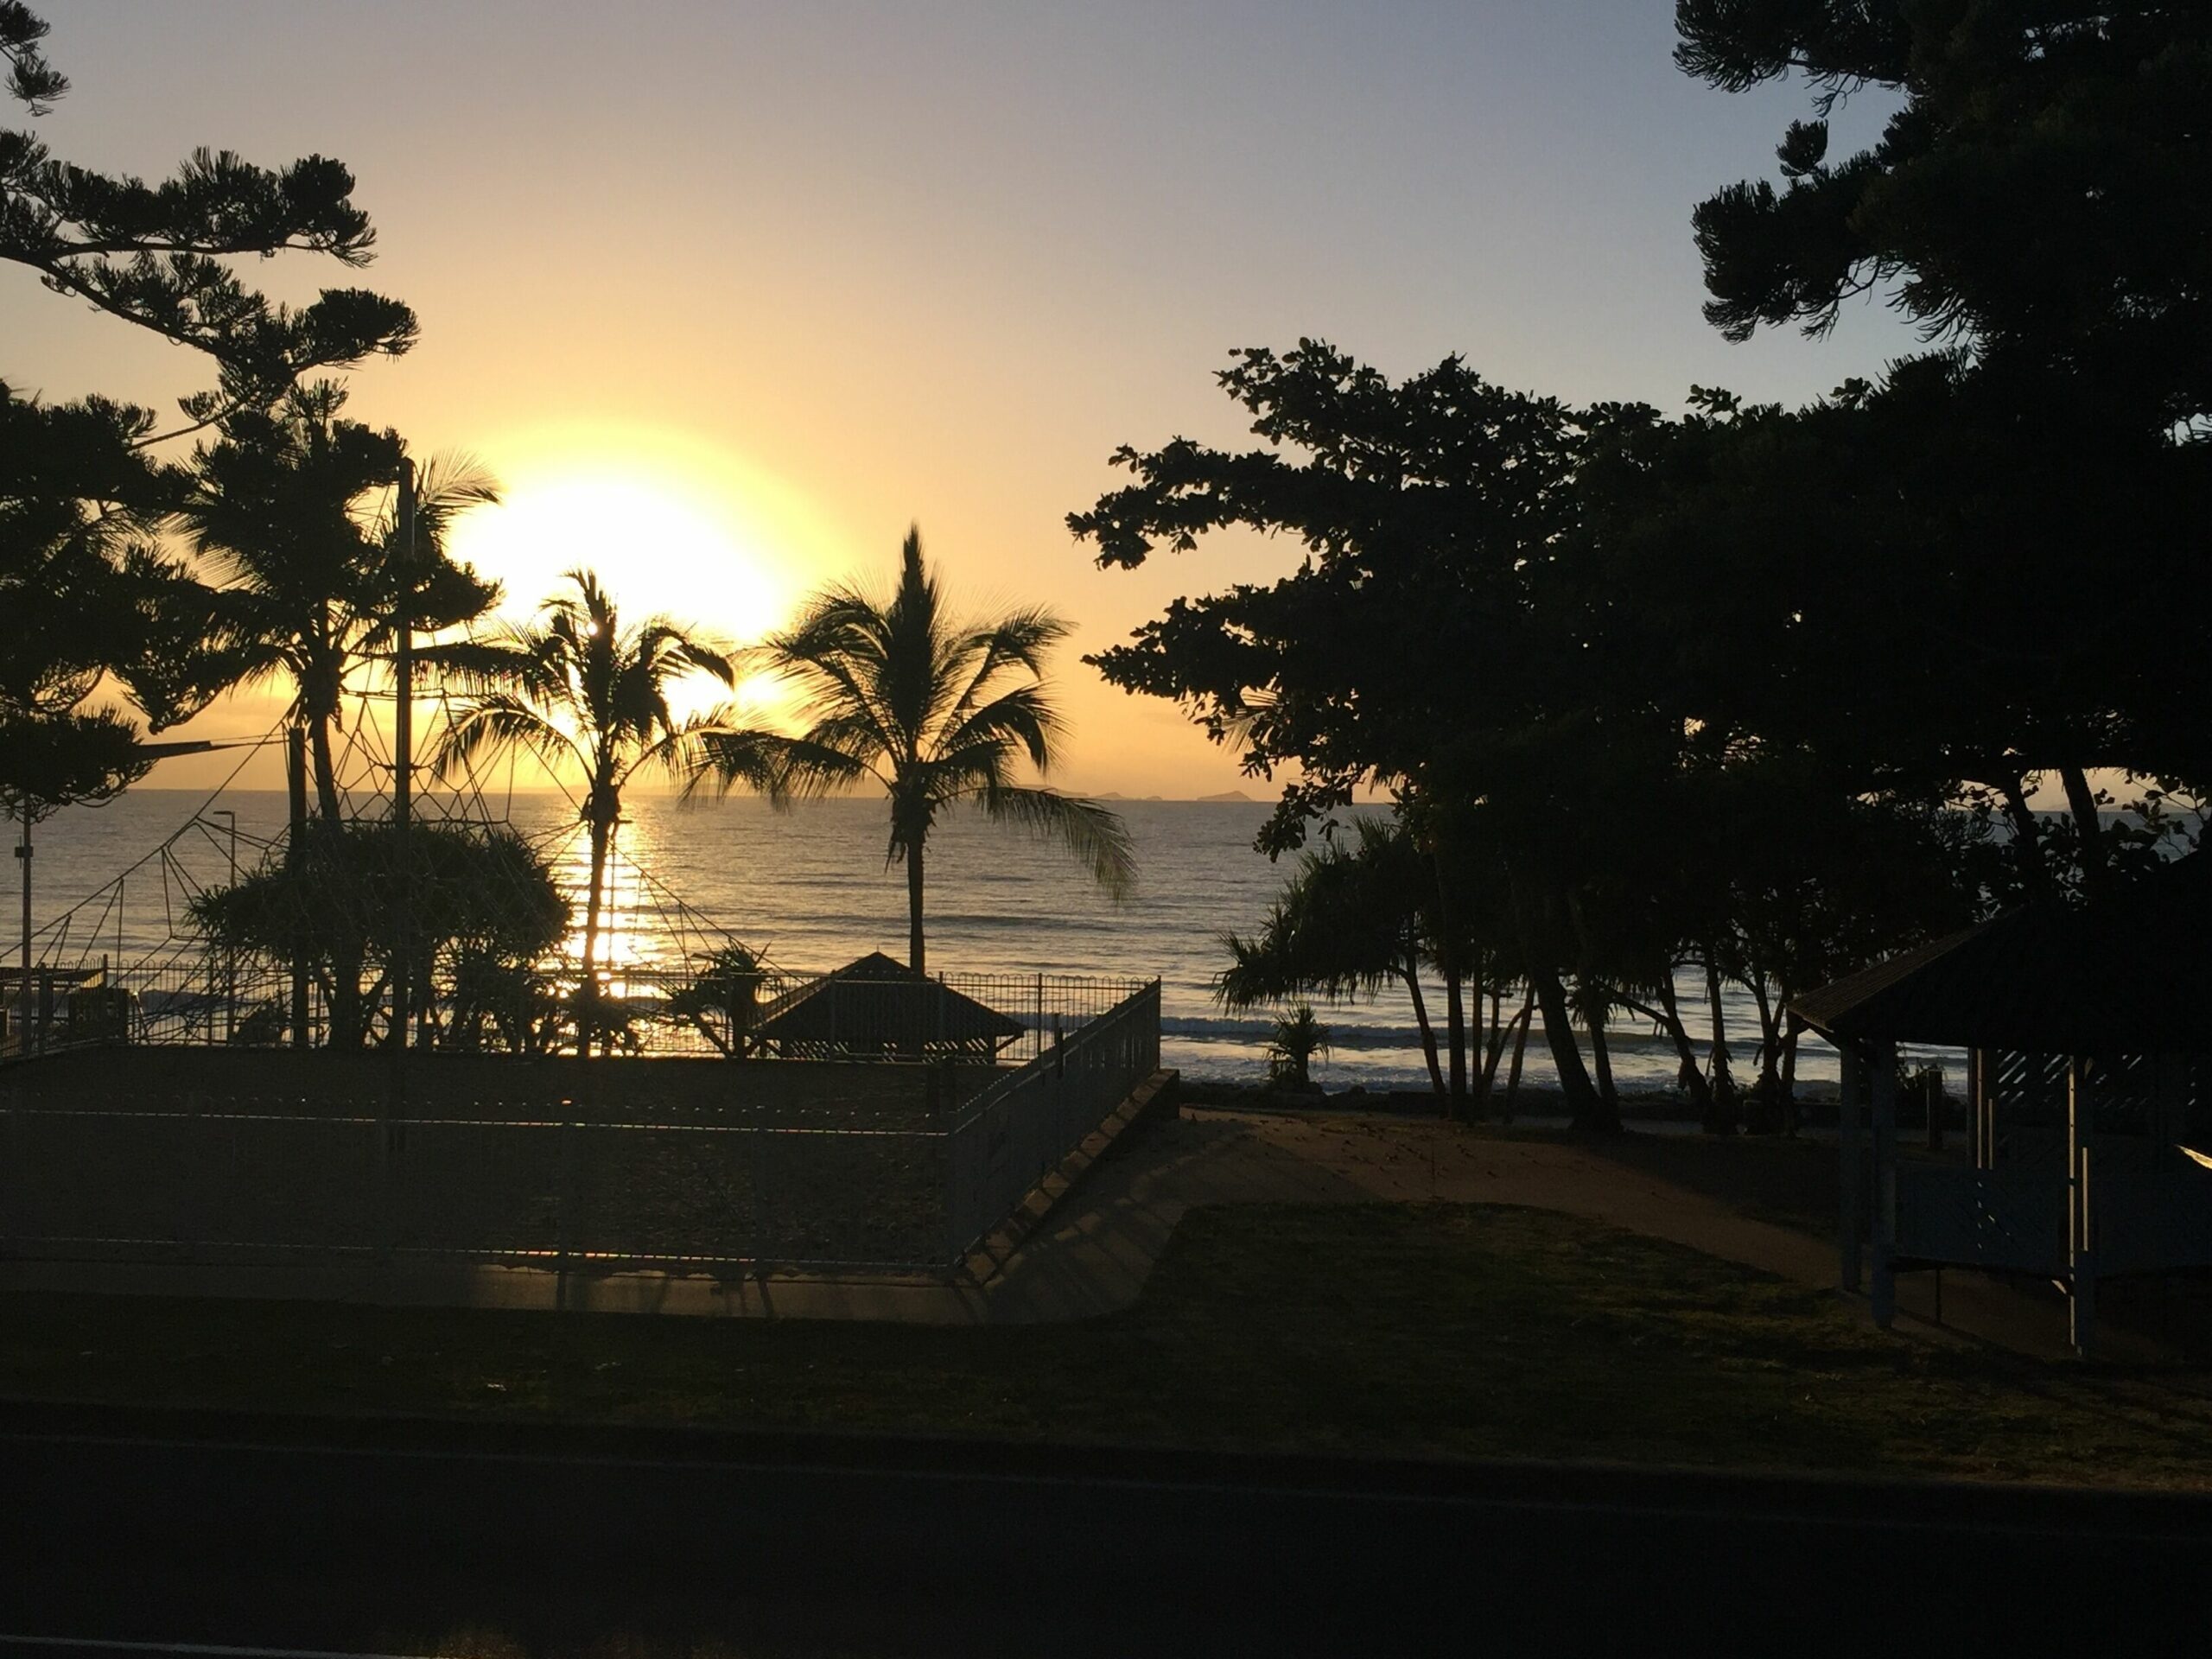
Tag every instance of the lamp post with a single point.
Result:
(229, 955)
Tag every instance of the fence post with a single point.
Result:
(1884, 1102)
(1849, 1213)
(2081, 1258)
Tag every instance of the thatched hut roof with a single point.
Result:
(877, 1004)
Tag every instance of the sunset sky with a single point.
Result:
(727, 294)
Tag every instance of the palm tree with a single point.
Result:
(280, 515)
(579, 687)
(936, 710)
(1351, 919)
(283, 515)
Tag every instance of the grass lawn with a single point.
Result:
(1456, 1330)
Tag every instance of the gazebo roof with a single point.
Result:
(2130, 973)
(878, 1001)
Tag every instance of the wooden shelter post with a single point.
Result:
(1850, 1205)
(2081, 1258)
(1985, 1128)
(1883, 1094)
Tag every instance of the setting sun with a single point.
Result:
(666, 550)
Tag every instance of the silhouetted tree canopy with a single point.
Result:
(2042, 194)
(1581, 649)
(156, 255)
(91, 602)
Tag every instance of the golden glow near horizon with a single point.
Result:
(697, 536)
(671, 526)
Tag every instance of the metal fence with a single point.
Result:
(219, 1157)
(1019, 1130)
(206, 999)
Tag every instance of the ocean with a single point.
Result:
(810, 889)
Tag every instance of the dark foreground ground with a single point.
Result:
(137, 1528)
(1305, 1436)
(1429, 1330)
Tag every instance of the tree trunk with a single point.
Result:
(1519, 1050)
(1479, 1103)
(1447, 952)
(1770, 1032)
(1421, 1019)
(1720, 1118)
(1789, 1076)
(2088, 830)
(914, 944)
(326, 772)
(1585, 1109)
(1493, 1045)
(1691, 1074)
(1517, 1029)
(2027, 835)
(1455, 1022)
(1601, 1058)
(602, 839)
(296, 783)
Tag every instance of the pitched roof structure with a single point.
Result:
(2130, 973)
(878, 1004)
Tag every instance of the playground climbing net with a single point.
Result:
(227, 932)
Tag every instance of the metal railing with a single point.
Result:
(224, 1157)
(1022, 1129)
(214, 1002)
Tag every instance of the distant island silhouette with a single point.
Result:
(1116, 795)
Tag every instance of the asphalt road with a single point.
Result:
(124, 1532)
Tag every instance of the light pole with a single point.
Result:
(229, 956)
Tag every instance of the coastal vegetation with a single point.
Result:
(579, 688)
(1578, 712)
(1750, 693)
(939, 710)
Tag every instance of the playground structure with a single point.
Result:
(2090, 1078)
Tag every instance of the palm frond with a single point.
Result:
(784, 769)
(498, 720)
(1023, 718)
(1095, 835)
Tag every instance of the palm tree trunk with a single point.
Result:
(326, 770)
(1421, 1019)
(1472, 985)
(1447, 951)
(914, 946)
(602, 837)
(1601, 1059)
(1790, 1074)
(296, 784)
